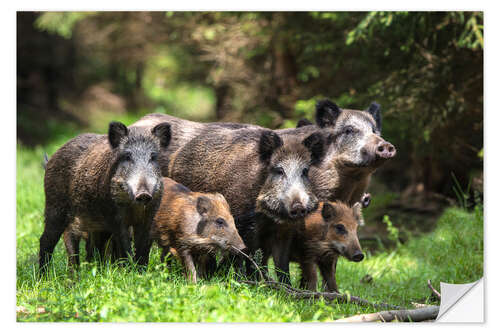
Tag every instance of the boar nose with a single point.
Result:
(358, 256)
(385, 150)
(298, 210)
(143, 197)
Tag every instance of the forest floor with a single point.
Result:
(451, 251)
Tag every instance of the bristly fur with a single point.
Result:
(326, 113)
(163, 132)
(374, 110)
(315, 143)
(269, 142)
(116, 132)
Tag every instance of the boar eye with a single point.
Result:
(126, 156)
(305, 172)
(349, 130)
(154, 157)
(340, 229)
(220, 222)
(278, 171)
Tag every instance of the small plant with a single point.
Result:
(462, 196)
(392, 230)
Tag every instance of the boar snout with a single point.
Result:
(143, 197)
(358, 256)
(297, 210)
(385, 150)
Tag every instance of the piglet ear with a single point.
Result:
(328, 212)
(163, 132)
(316, 145)
(327, 113)
(375, 112)
(303, 122)
(269, 142)
(116, 132)
(358, 215)
(203, 205)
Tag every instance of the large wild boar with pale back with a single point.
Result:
(105, 183)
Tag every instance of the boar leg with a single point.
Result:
(309, 278)
(142, 245)
(123, 240)
(72, 243)
(281, 258)
(188, 263)
(328, 270)
(56, 221)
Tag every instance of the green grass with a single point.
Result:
(452, 253)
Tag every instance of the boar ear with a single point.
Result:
(203, 205)
(303, 122)
(269, 142)
(358, 215)
(316, 145)
(116, 132)
(162, 132)
(374, 110)
(326, 113)
(328, 212)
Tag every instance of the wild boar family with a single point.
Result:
(197, 188)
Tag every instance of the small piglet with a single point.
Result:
(329, 232)
(195, 225)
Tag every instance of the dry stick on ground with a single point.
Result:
(434, 291)
(251, 260)
(414, 315)
(304, 294)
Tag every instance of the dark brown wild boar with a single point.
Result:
(326, 234)
(257, 172)
(195, 225)
(105, 183)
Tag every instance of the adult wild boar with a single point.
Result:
(355, 151)
(107, 183)
(256, 171)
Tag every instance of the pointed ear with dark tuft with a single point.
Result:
(116, 132)
(316, 145)
(203, 205)
(358, 215)
(269, 142)
(375, 112)
(327, 113)
(304, 122)
(328, 212)
(162, 132)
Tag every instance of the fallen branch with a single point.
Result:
(434, 291)
(251, 260)
(304, 294)
(414, 315)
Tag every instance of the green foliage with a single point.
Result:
(60, 23)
